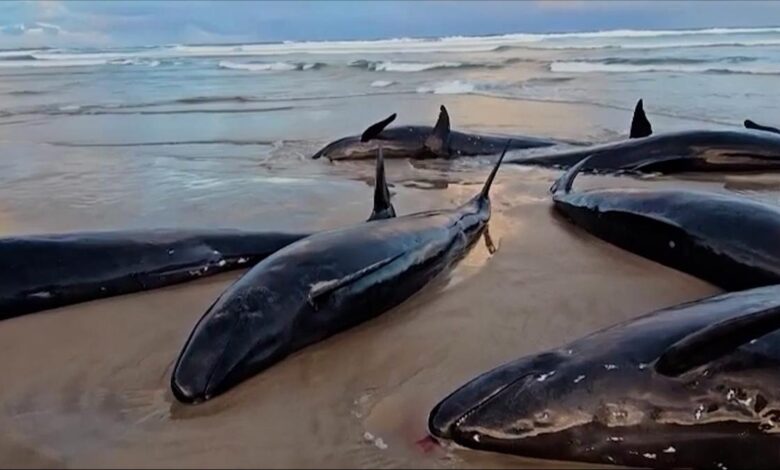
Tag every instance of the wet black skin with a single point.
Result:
(727, 240)
(600, 399)
(48, 271)
(686, 151)
(320, 286)
(409, 142)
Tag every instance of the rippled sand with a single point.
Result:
(87, 385)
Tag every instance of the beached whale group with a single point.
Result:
(688, 386)
(754, 148)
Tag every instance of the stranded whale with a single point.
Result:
(729, 241)
(423, 142)
(691, 386)
(320, 286)
(48, 271)
(673, 152)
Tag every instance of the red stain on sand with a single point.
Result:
(427, 444)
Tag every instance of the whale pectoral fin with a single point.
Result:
(716, 340)
(758, 127)
(375, 129)
(439, 140)
(666, 164)
(564, 183)
(383, 207)
(640, 125)
(321, 290)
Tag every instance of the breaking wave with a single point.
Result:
(453, 87)
(271, 66)
(650, 66)
(389, 66)
(625, 39)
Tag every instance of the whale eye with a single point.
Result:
(543, 418)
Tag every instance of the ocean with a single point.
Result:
(226, 105)
(221, 136)
(733, 70)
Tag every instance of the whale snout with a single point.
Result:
(196, 373)
(338, 149)
(320, 153)
(239, 336)
(186, 393)
(216, 348)
(451, 418)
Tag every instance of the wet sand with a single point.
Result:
(87, 385)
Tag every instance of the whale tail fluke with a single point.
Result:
(383, 207)
(485, 193)
(566, 180)
(640, 125)
(438, 142)
(375, 129)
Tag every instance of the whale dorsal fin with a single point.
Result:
(438, 141)
(375, 129)
(485, 193)
(640, 125)
(566, 180)
(716, 340)
(383, 207)
(755, 126)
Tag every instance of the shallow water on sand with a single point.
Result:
(87, 385)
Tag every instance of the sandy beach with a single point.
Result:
(88, 384)
(197, 140)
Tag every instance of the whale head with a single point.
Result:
(552, 406)
(233, 341)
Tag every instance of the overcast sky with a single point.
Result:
(120, 23)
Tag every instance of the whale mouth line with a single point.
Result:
(451, 431)
(208, 389)
(191, 396)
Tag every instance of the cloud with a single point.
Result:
(42, 34)
(34, 29)
(118, 22)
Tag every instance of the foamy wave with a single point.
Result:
(454, 87)
(382, 83)
(147, 63)
(268, 67)
(481, 43)
(51, 63)
(713, 43)
(625, 39)
(649, 33)
(414, 67)
(612, 39)
(406, 66)
(337, 47)
(19, 53)
(104, 56)
(671, 60)
(590, 67)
